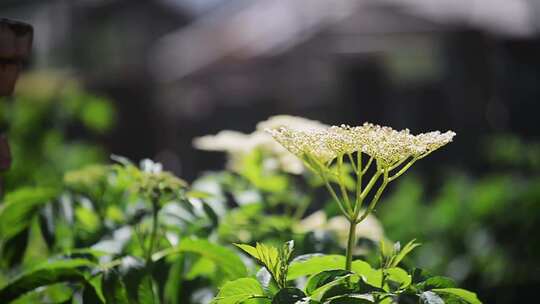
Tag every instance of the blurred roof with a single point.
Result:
(247, 29)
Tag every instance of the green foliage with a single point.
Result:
(46, 105)
(328, 282)
(20, 207)
(392, 258)
(223, 257)
(238, 291)
(45, 274)
(275, 260)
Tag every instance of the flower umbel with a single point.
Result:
(393, 152)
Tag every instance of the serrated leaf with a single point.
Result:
(468, 296)
(236, 291)
(275, 260)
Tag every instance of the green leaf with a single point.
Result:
(223, 257)
(436, 282)
(288, 295)
(312, 264)
(467, 296)
(350, 299)
(323, 278)
(339, 286)
(397, 277)
(236, 291)
(146, 291)
(87, 219)
(173, 287)
(113, 288)
(429, 297)
(201, 267)
(404, 252)
(52, 294)
(214, 219)
(368, 274)
(275, 260)
(45, 274)
(97, 114)
(19, 208)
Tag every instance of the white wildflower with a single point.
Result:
(386, 145)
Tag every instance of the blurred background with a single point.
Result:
(143, 78)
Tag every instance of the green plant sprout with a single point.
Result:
(327, 150)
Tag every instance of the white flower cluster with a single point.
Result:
(237, 144)
(386, 145)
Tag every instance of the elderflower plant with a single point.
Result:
(390, 151)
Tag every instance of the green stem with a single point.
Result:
(153, 235)
(359, 174)
(344, 192)
(367, 165)
(335, 197)
(375, 199)
(351, 159)
(402, 170)
(322, 174)
(350, 245)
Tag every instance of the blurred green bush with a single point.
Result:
(478, 229)
(46, 123)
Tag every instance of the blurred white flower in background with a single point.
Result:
(237, 145)
(370, 228)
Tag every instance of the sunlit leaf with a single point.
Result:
(314, 264)
(465, 295)
(239, 290)
(397, 278)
